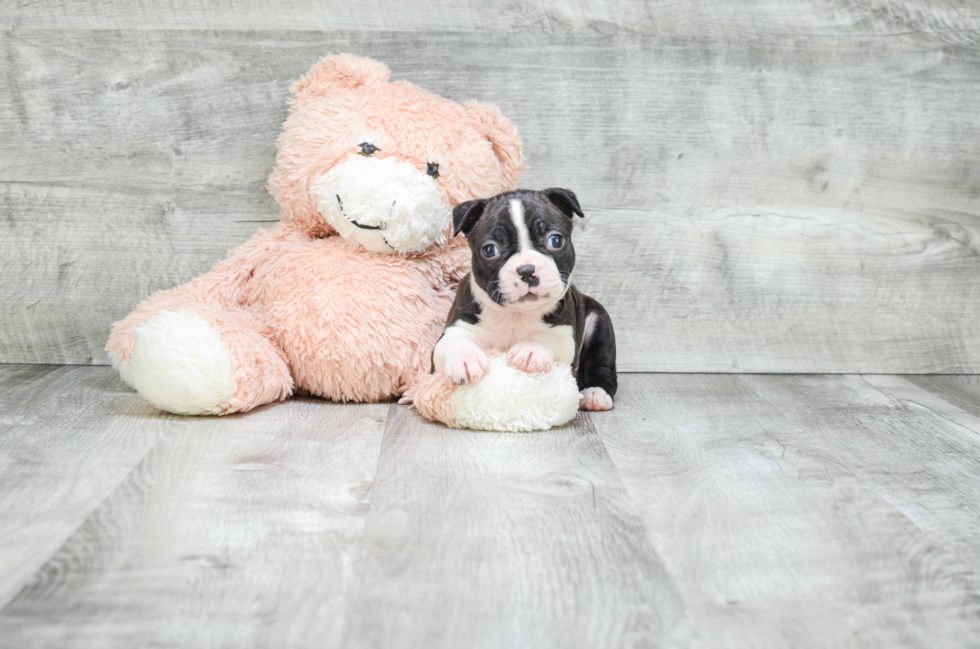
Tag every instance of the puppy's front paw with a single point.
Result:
(466, 367)
(530, 357)
(595, 399)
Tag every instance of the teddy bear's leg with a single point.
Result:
(193, 358)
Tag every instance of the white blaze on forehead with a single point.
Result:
(517, 216)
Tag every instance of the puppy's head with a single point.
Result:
(522, 246)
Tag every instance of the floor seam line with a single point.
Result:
(360, 537)
(175, 419)
(975, 433)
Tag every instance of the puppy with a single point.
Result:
(519, 296)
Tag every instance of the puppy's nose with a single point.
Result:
(527, 274)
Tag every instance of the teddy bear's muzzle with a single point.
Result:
(383, 205)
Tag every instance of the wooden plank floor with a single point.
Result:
(704, 511)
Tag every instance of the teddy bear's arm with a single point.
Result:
(451, 262)
(219, 287)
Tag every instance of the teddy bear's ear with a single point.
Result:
(337, 72)
(503, 137)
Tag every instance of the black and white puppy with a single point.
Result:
(519, 296)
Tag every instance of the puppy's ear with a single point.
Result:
(565, 200)
(466, 215)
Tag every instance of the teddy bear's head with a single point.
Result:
(383, 164)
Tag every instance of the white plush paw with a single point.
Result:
(466, 366)
(179, 364)
(530, 357)
(595, 399)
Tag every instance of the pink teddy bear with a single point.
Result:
(345, 297)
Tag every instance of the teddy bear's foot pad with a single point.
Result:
(179, 364)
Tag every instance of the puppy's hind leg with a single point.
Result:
(597, 380)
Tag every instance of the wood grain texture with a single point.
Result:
(802, 511)
(68, 437)
(952, 20)
(703, 511)
(777, 290)
(62, 289)
(949, 404)
(786, 186)
(923, 463)
(504, 540)
(234, 532)
(962, 391)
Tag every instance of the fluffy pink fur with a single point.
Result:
(300, 308)
(477, 149)
(430, 397)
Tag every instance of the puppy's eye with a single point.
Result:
(490, 250)
(556, 241)
(432, 169)
(367, 148)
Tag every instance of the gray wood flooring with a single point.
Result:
(704, 511)
(770, 186)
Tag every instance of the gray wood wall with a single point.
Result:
(771, 186)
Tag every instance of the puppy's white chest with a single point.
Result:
(504, 330)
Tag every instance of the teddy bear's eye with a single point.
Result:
(367, 148)
(432, 169)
